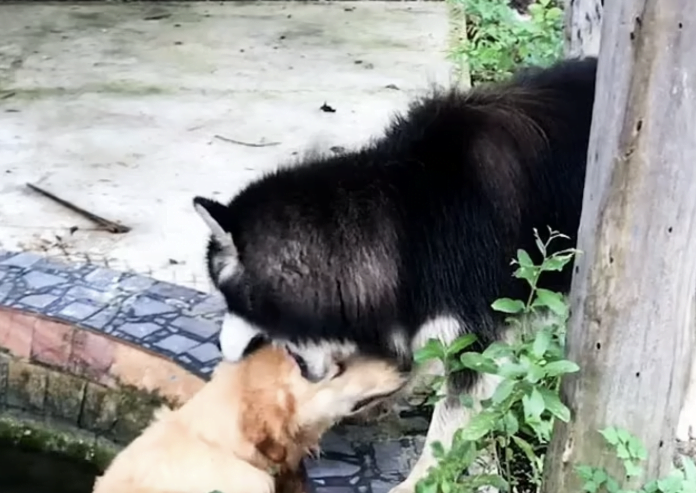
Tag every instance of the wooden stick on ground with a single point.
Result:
(247, 144)
(106, 224)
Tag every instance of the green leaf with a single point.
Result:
(533, 404)
(553, 404)
(622, 451)
(636, 449)
(438, 449)
(478, 362)
(689, 469)
(461, 343)
(599, 476)
(433, 349)
(670, 484)
(526, 448)
(433, 399)
(527, 273)
(623, 434)
(511, 370)
(542, 339)
(524, 259)
(610, 435)
(554, 13)
(585, 472)
(556, 263)
(453, 365)
(651, 487)
(553, 301)
(632, 470)
(425, 486)
(535, 373)
(612, 485)
(497, 349)
(466, 401)
(512, 425)
(507, 305)
(480, 425)
(560, 367)
(590, 487)
(503, 391)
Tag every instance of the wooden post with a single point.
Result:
(633, 297)
(457, 31)
(583, 23)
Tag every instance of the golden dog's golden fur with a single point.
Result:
(247, 429)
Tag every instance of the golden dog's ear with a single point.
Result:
(272, 449)
(259, 433)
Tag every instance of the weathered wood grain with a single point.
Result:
(583, 23)
(633, 298)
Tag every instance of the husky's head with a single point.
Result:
(297, 262)
(256, 308)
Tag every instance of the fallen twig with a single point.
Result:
(248, 144)
(156, 17)
(7, 95)
(103, 223)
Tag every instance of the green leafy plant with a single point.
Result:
(512, 428)
(514, 424)
(498, 41)
(632, 453)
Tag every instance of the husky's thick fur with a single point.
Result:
(247, 430)
(375, 251)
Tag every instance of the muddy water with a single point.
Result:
(23, 471)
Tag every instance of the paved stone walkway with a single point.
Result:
(182, 324)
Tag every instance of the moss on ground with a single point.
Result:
(27, 433)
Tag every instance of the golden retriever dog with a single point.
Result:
(248, 429)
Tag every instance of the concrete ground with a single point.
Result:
(115, 107)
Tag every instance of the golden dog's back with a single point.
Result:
(202, 446)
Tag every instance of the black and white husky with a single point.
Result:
(409, 238)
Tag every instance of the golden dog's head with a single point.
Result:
(248, 428)
(284, 414)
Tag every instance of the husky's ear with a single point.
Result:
(214, 214)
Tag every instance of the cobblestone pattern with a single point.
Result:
(182, 325)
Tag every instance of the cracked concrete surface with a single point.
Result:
(115, 107)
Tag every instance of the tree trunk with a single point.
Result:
(583, 23)
(633, 296)
(457, 18)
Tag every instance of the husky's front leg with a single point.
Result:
(449, 416)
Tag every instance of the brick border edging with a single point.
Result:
(174, 322)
